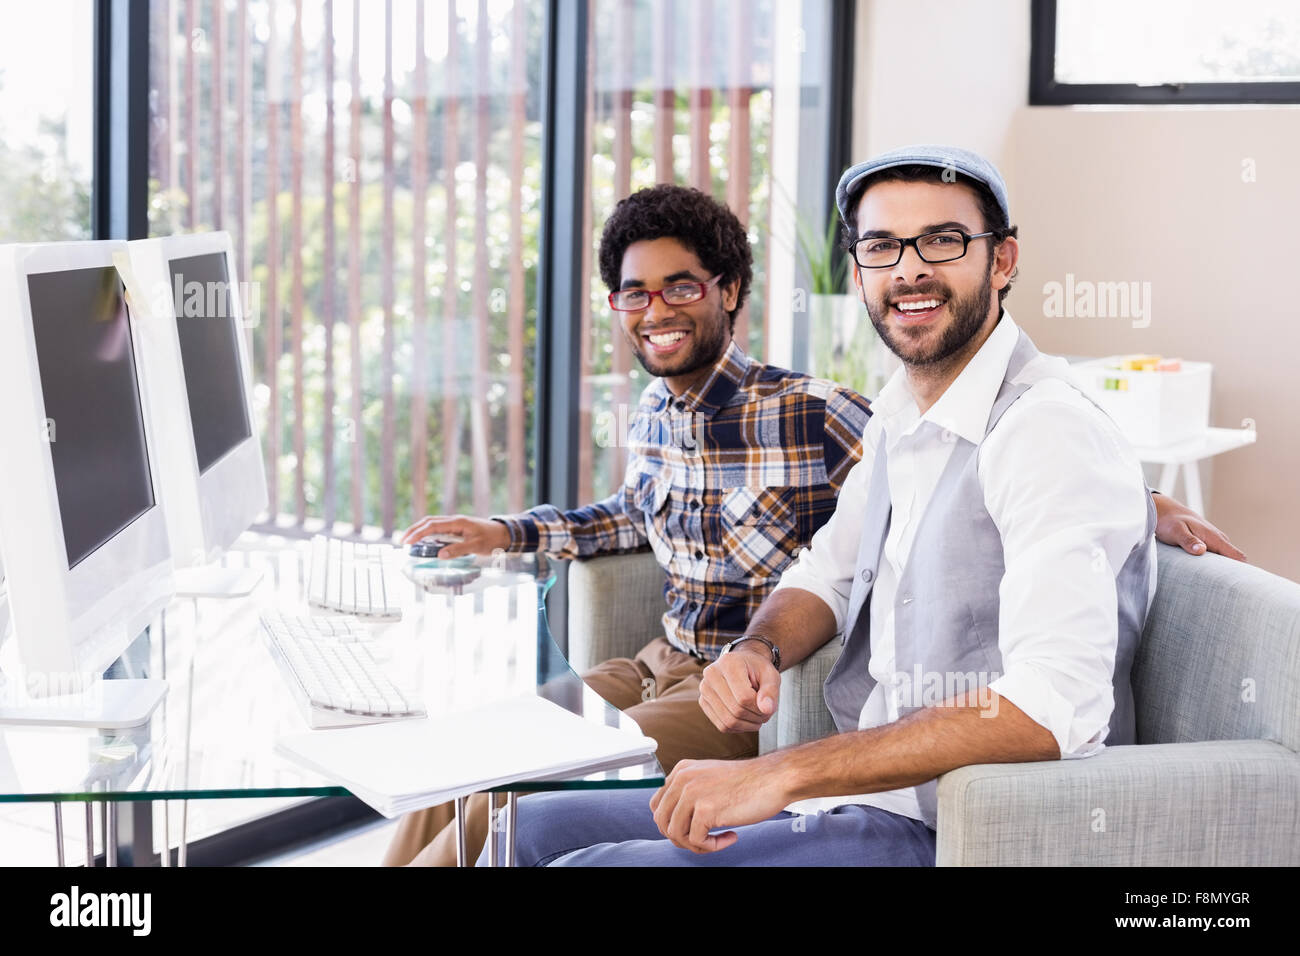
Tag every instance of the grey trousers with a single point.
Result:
(616, 828)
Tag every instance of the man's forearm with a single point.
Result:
(581, 532)
(911, 751)
(796, 621)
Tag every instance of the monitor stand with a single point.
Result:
(214, 581)
(105, 705)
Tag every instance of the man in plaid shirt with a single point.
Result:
(733, 466)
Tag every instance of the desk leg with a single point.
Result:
(512, 807)
(460, 831)
(90, 834)
(110, 833)
(493, 818)
(185, 820)
(165, 857)
(1192, 482)
(58, 833)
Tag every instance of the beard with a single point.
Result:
(709, 339)
(968, 315)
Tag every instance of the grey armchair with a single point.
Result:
(1213, 780)
(616, 606)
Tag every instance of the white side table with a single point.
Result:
(1188, 454)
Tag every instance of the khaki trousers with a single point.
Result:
(659, 689)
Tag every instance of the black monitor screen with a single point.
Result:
(94, 422)
(210, 355)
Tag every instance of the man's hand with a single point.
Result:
(702, 794)
(739, 690)
(479, 535)
(1180, 525)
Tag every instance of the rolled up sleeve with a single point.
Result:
(1068, 498)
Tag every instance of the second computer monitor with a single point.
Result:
(199, 381)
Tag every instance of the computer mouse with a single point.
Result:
(430, 545)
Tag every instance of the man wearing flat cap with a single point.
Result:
(988, 570)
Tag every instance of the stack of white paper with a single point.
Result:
(410, 764)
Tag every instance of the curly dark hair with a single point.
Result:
(695, 219)
(994, 219)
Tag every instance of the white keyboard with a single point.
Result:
(332, 673)
(342, 630)
(349, 577)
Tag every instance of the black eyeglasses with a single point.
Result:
(682, 293)
(883, 252)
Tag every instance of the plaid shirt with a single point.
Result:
(726, 483)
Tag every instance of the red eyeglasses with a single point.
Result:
(680, 293)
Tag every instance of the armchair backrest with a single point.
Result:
(616, 606)
(1220, 654)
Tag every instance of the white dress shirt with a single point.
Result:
(1068, 498)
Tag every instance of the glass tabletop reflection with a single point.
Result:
(214, 735)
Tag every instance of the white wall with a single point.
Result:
(910, 51)
(1125, 194)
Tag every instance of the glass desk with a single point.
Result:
(213, 737)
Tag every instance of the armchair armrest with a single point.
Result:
(801, 712)
(616, 607)
(1212, 803)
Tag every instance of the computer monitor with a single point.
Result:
(191, 311)
(83, 538)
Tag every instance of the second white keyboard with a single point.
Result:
(349, 577)
(334, 677)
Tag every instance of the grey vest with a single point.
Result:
(946, 605)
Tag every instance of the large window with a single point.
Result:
(1165, 51)
(46, 124)
(378, 165)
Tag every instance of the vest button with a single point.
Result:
(866, 575)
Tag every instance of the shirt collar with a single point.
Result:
(964, 407)
(714, 390)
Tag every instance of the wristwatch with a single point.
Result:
(776, 651)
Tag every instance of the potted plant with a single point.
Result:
(842, 345)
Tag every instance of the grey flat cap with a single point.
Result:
(945, 157)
